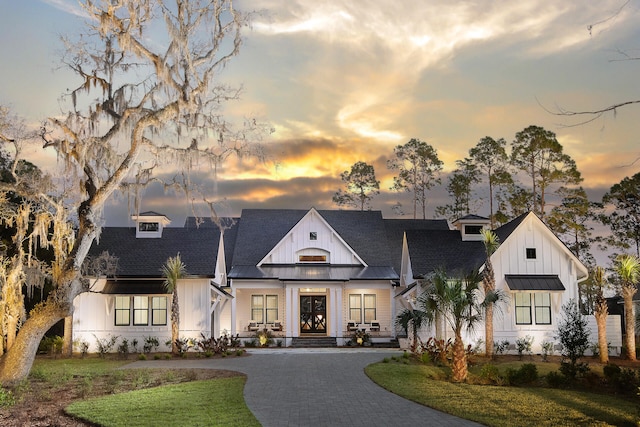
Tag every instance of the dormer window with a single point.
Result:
(148, 226)
(472, 229)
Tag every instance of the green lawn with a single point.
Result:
(199, 403)
(503, 406)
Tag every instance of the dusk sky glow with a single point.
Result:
(346, 81)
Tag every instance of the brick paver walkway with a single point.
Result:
(318, 387)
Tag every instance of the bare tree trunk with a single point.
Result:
(629, 323)
(67, 346)
(175, 322)
(601, 320)
(16, 363)
(459, 370)
(488, 330)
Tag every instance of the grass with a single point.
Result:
(503, 406)
(198, 403)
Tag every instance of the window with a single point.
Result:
(356, 304)
(543, 308)
(257, 307)
(272, 308)
(122, 311)
(140, 310)
(158, 311)
(312, 258)
(355, 308)
(472, 229)
(261, 313)
(531, 253)
(523, 308)
(369, 308)
(148, 226)
(313, 235)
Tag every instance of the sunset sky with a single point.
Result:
(346, 81)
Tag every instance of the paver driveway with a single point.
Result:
(318, 387)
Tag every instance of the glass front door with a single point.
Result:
(313, 314)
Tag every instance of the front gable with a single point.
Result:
(312, 241)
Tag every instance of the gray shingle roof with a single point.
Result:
(431, 250)
(144, 257)
(395, 232)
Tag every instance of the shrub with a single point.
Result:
(555, 379)
(7, 398)
(183, 344)
(134, 344)
(150, 344)
(217, 346)
(611, 372)
(440, 351)
(123, 348)
(426, 358)
(490, 374)
(523, 345)
(81, 347)
(526, 374)
(105, 345)
(142, 357)
(51, 345)
(500, 347)
(547, 350)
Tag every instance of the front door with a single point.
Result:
(313, 314)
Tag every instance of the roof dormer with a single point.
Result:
(470, 226)
(149, 225)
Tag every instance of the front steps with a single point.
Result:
(313, 342)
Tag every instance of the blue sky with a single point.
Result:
(344, 81)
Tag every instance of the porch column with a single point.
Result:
(337, 310)
(392, 294)
(233, 310)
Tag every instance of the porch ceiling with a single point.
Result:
(313, 273)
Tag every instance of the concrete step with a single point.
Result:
(302, 342)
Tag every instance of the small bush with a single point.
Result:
(151, 344)
(574, 370)
(142, 357)
(7, 398)
(426, 358)
(386, 360)
(500, 347)
(440, 351)
(81, 347)
(105, 345)
(123, 348)
(547, 350)
(611, 372)
(627, 381)
(523, 345)
(555, 379)
(526, 374)
(490, 374)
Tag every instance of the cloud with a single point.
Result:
(70, 7)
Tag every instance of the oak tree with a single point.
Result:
(360, 186)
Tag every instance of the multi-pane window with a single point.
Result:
(123, 305)
(541, 304)
(264, 308)
(355, 308)
(139, 304)
(140, 310)
(359, 304)
(543, 308)
(369, 308)
(158, 311)
(272, 308)
(257, 308)
(523, 308)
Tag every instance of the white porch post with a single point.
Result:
(392, 293)
(233, 311)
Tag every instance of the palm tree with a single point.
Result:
(173, 270)
(491, 244)
(628, 269)
(600, 311)
(457, 302)
(410, 317)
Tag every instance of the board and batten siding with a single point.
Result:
(298, 242)
(94, 317)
